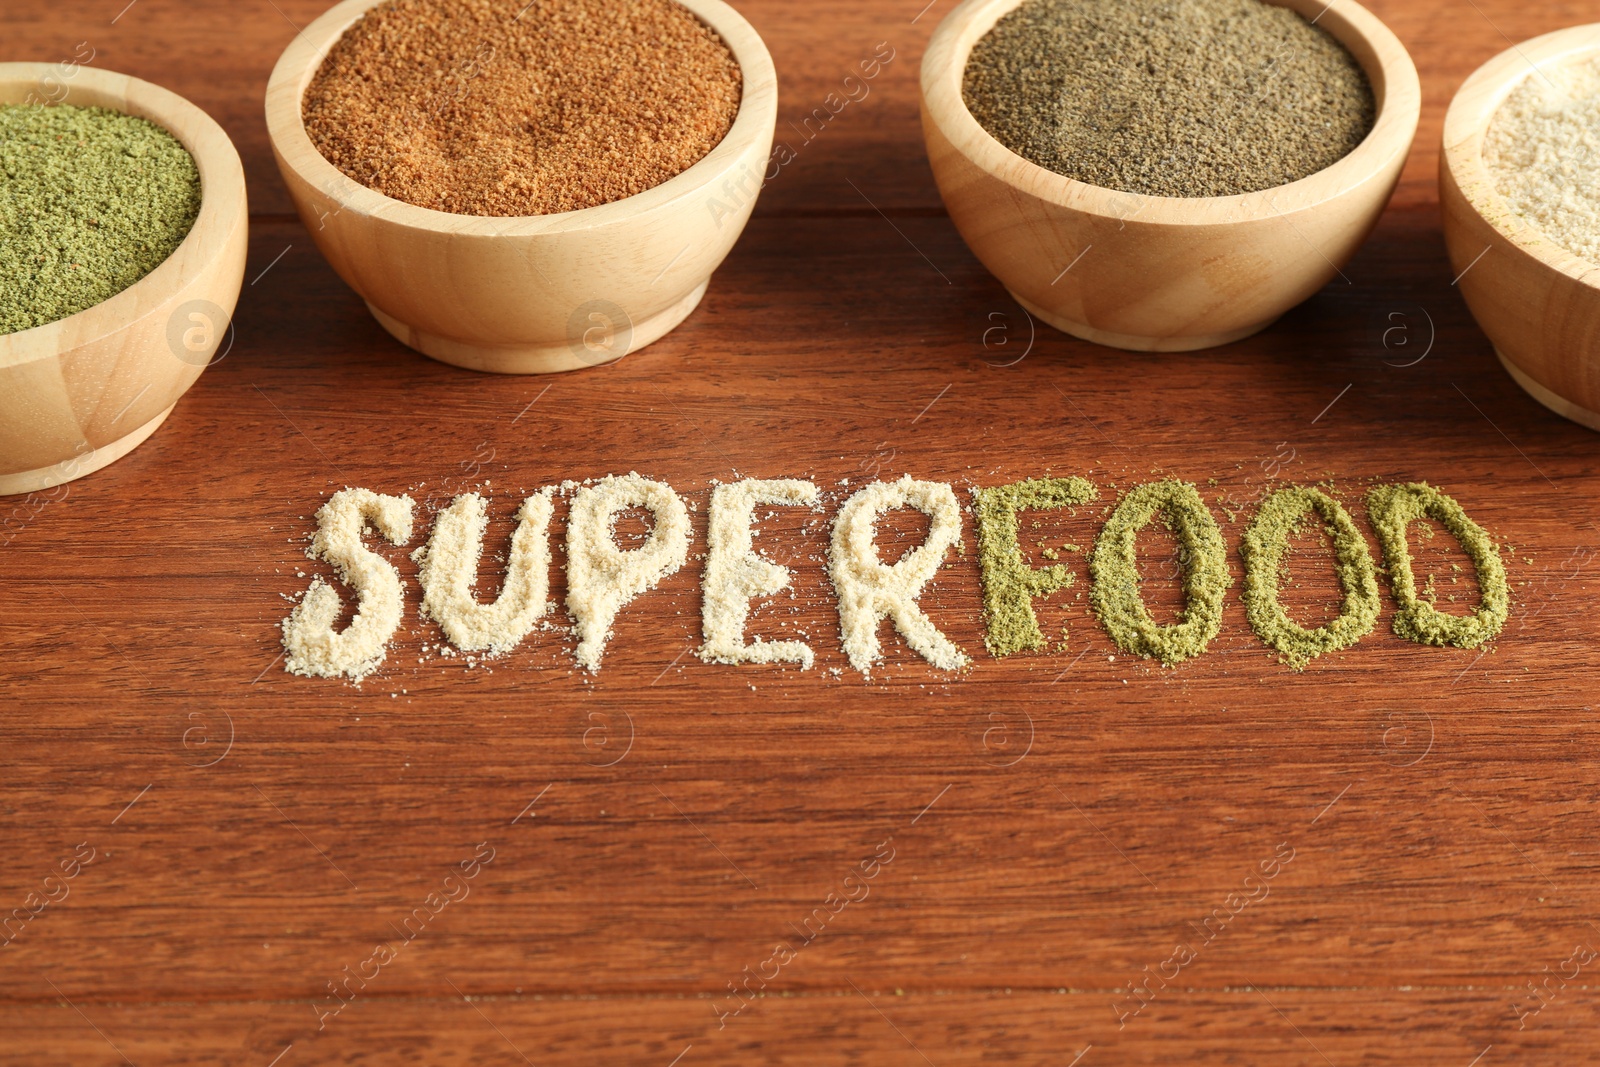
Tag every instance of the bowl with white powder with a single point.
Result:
(1519, 184)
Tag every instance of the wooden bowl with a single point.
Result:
(1539, 303)
(532, 294)
(1155, 273)
(82, 392)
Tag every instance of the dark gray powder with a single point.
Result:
(1169, 97)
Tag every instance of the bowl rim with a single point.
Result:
(1466, 125)
(222, 184)
(758, 113)
(1394, 81)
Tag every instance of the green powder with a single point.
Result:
(1114, 571)
(92, 201)
(1009, 585)
(1393, 509)
(1169, 97)
(1265, 550)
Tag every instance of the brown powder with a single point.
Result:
(506, 107)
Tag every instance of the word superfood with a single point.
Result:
(603, 577)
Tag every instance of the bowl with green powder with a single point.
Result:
(122, 241)
(1519, 184)
(1165, 175)
(525, 186)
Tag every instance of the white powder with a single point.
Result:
(313, 648)
(734, 574)
(450, 569)
(868, 590)
(1543, 148)
(601, 577)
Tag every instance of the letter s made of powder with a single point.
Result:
(868, 590)
(308, 635)
(735, 574)
(450, 569)
(601, 577)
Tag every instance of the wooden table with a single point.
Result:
(1059, 824)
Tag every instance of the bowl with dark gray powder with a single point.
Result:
(1166, 175)
(525, 186)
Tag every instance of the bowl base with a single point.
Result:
(72, 469)
(1560, 405)
(1135, 343)
(536, 359)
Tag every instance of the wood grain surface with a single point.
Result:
(1058, 823)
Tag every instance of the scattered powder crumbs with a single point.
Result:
(1009, 585)
(521, 107)
(1114, 573)
(1265, 550)
(869, 591)
(1393, 509)
(1543, 149)
(449, 570)
(601, 577)
(313, 648)
(734, 573)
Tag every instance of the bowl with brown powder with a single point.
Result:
(123, 226)
(1519, 184)
(1165, 175)
(525, 186)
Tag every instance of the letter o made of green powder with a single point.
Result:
(1114, 571)
(1009, 585)
(1266, 543)
(1393, 509)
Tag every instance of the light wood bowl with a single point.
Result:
(84, 391)
(1539, 303)
(1166, 274)
(532, 294)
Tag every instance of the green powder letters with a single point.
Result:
(1114, 570)
(1266, 544)
(1393, 509)
(1009, 585)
